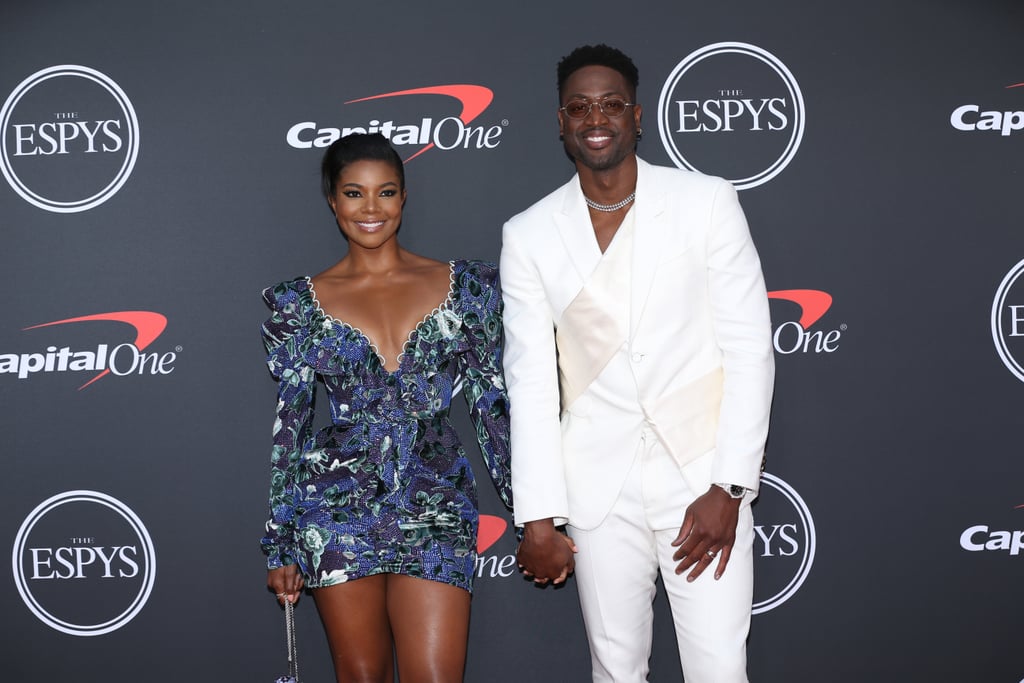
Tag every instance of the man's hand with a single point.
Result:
(545, 554)
(708, 531)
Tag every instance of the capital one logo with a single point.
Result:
(84, 563)
(429, 131)
(784, 543)
(120, 359)
(69, 138)
(982, 537)
(491, 529)
(796, 336)
(732, 110)
(971, 117)
(1008, 321)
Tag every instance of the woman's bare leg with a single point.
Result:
(430, 623)
(355, 617)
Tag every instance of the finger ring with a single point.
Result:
(281, 595)
(712, 554)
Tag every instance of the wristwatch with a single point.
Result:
(734, 490)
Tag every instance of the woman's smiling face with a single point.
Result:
(367, 202)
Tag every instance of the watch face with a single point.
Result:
(736, 491)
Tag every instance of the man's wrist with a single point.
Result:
(539, 528)
(735, 491)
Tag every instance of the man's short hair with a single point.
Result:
(597, 55)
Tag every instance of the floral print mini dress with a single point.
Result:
(386, 488)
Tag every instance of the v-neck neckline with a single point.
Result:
(413, 333)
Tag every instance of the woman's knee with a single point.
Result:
(360, 670)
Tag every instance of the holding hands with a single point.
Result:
(545, 554)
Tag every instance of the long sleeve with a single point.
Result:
(538, 474)
(742, 326)
(483, 381)
(282, 336)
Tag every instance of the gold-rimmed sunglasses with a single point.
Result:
(612, 107)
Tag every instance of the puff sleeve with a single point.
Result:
(283, 336)
(483, 382)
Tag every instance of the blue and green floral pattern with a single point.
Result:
(386, 488)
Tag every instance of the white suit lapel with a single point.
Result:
(652, 225)
(573, 221)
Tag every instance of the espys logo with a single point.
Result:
(1008, 321)
(970, 117)
(491, 529)
(122, 359)
(732, 110)
(84, 563)
(795, 336)
(69, 138)
(981, 538)
(784, 543)
(446, 133)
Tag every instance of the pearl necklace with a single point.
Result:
(608, 208)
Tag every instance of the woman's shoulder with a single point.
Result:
(477, 290)
(287, 294)
(292, 307)
(482, 273)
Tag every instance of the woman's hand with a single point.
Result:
(545, 554)
(286, 583)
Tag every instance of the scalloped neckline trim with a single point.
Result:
(444, 305)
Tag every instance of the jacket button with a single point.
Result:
(637, 357)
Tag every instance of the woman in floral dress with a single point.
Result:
(377, 513)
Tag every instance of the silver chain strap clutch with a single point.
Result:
(293, 657)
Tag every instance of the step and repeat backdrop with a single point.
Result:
(160, 167)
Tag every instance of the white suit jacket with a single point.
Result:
(698, 319)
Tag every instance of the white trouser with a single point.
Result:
(618, 564)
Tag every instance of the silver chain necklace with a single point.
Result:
(608, 208)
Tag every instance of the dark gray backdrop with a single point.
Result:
(897, 441)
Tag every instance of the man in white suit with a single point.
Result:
(639, 366)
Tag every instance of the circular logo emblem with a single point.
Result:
(783, 543)
(84, 563)
(732, 110)
(69, 138)
(1008, 321)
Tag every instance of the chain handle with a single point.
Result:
(293, 654)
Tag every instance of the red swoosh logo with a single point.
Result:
(491, 529)
(474, 99)
(812, 302)
(148, 326)
(1015, 85)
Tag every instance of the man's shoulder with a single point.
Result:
(672, 176)
(544, 207)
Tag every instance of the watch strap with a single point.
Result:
(734, 490)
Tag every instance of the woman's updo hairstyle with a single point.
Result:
(357, 147)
